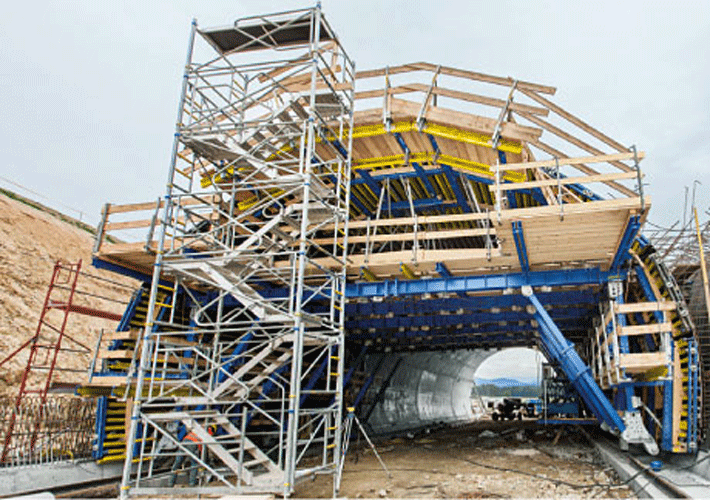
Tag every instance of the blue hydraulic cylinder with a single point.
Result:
(579, 374)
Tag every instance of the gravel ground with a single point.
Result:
(485, 460)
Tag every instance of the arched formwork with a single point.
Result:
(426, 389)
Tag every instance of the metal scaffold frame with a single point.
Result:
(243, 346)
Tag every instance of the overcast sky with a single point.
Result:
(515, 362)
(90, 89)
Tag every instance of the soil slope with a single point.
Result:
(32, 238)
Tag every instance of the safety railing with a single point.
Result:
(612, 361)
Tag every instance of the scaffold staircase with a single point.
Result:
(256, 173)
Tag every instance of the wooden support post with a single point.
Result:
(703, 267)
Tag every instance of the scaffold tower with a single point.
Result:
(243, 344)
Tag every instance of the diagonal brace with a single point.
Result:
(562, 351)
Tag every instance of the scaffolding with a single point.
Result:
(450, 232)
(243, 344)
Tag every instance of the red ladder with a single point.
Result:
(46, 345)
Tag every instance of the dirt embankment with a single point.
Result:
(32, 238)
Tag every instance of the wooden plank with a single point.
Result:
(447, 70)
(150, 205)
(422, 255)
(666, 305)
(508, 215)
(128, 354)
(129, 335)
(409, 236)
(564, 181)
(570, 138)
(466, 121)
(132, 224)
(106, 382)
(454, 94)
(571, 161)
(408, 221)
(581, 167)
(645, 329)
(642, 362)
(134, 207)
(574, 120)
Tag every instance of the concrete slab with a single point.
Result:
(36, 478)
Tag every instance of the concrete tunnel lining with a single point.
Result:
(428, 388)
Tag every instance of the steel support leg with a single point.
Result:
(562, 350)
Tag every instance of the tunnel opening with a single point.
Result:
(408, 392)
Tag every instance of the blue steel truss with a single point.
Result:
(489, 282)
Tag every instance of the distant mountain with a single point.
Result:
(508, 382)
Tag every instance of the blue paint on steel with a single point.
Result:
(339, 146)
(578, 373)
(131, 273)
(317, 373)
(368, 382)
(408, 305)
(371, 183)
(622, 253)
(445, 273)
(351, 371)
(667, 420)
(453, 182)
(424, 176)
(230, 363)
(360, 206)
(438, 320)
(490, 282)
(421, 174)
(467, 333)
(483, 180)
(130, 312)
(100, 427)
(402, 144)
(434, 144)
(693, 394)
(519, 238)
(380, 175)
(353, 199)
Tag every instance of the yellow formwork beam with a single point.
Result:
(440, 131)
(407, 271)
(367, 274)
